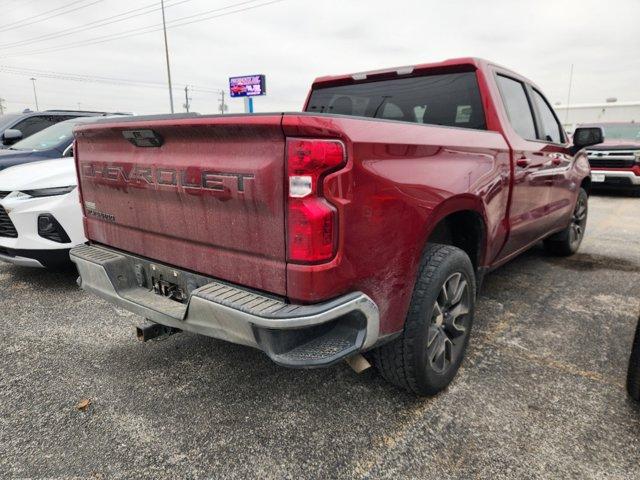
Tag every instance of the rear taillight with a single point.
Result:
(312, 222)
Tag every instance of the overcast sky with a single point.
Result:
(294, 41)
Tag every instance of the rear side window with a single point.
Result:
(451, 99)
(551, 131)
(517, 106)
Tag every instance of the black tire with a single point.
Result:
(633, 374)
(413, 361)
(567, 242)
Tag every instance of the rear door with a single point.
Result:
(202, 194)
(532, 176)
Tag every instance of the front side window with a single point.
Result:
(551, 130)
(450, 99)
(56, 136)
(34, 124)
(517, 106)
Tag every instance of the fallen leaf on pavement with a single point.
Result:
(83, 404)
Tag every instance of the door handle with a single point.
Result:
(523, 162)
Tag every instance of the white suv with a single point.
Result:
(40, 213)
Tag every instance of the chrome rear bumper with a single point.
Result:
(292, 335)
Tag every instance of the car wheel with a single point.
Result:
(428, 353)
(633, 374)
(567, 242)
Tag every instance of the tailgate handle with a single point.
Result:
(143, 138)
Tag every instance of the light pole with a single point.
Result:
(166, 52)
(35, 95)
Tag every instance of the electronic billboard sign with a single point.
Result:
(248, 86)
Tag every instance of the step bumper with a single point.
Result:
(291, 335)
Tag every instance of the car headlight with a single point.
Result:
(48, 192)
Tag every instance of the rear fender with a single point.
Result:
(459, 203)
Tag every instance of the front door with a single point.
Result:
(562, 194)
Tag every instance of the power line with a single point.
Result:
(91, 25)
(139, 31)
(30, 72)
(127, 33)
(13, 26)
(39, 15)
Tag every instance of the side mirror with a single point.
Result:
(11, 136)
(587, 136)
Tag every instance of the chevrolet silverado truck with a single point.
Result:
(616, 162)
(362, 225)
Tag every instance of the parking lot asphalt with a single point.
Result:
(540, 395)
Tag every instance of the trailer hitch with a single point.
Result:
(150, 330)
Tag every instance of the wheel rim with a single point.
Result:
(578, 221)
(448, 327)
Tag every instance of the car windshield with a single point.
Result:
(58, 135)
(622, 131)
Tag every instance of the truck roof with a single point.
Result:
(452, 63)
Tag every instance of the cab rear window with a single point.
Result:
(451, 99)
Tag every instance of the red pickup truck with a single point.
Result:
(363, 224)
(616, 162)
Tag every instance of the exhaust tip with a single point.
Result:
(358, 363)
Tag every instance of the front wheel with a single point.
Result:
(567, 242)
(426, 357)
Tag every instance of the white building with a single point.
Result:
(572, 115)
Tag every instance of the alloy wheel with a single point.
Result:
(578, 221)
(448, 327)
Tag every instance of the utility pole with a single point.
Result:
(186, 98)
(166, 52)
(566, 116)
(35, 95)
(1, 106)
(223, 106)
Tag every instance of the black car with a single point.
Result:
(18, 126)
(53, 142)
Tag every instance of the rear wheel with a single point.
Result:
(567, 242)
(633, 374)
(426, 357)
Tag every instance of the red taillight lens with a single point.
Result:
(312, 220)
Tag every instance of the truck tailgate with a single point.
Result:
(209, 198)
